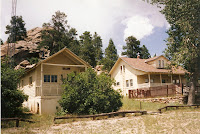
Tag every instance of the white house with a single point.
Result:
(42, 83)
(136, 73)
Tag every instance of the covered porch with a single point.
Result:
(47, 86)
(161, 79)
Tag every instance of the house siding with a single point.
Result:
(121, 76)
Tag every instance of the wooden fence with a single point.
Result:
(153, 91)
(167, 107)
(111, 114)
(17, 120)
(185, 89)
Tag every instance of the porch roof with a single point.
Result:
(140, 64)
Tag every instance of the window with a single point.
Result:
(159, 63)
(174, 81)
(121, 69)
(30, 80)
(118, 83)
(127, 83)
(115, 84)
(146, 80)
(163, 64)
(131, 82)
(163, 81)
(66, 68)
(124, 68)
(177, 81)
(151, 80)
(46, 78)
(53, 78)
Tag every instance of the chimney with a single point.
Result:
(138, 55)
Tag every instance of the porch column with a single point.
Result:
(41, 79)
(171, 79)
(149, 76)
(85, 68)
(160, 79)
(180, 79)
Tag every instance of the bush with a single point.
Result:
(87, 93)
(11, 98)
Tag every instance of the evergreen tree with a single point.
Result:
(97, 42)
(144, 54)
(110, 56)
(55, 35)
(74, 44)
(184, 40)
(132, 47)
(16, 30)
(87, 49)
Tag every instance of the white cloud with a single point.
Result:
(138, 27)
(103, 16)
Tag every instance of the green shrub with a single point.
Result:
(11, 98)
(87, 93)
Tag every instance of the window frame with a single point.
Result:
(47, 78)
(30, 80)
(127, 83)
(54, 78)
(131, 82)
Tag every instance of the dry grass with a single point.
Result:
(181, 121)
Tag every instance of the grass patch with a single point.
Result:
(131, 104)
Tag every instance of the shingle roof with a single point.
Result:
(140, 64)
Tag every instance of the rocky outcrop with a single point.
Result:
(25, 48)
(24, 65)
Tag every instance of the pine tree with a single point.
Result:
(74, 44)
(87, 48)
(132, 47)
(55, 35)
(16, 30)
(97, 42)
(144, 54)
(110, 56)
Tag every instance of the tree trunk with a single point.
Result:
(191, 96)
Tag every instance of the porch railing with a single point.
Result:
(48, 90)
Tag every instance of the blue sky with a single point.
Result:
(116, 19)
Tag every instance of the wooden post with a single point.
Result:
(160, 79)
(167, 90)
(171, 79)
(17, 122)
(182, 88)
(149, 76)
(41, 79)
(180, 79)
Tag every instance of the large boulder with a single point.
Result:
(23, 49)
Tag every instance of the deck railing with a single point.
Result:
(49, 90)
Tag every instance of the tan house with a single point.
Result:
(42, 83)
(136, 73)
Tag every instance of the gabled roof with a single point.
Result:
(61, 51)
(141, 64)
(154, 58)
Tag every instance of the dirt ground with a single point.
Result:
(173, 122)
